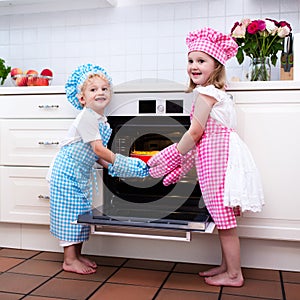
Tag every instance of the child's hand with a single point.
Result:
(165, 161)
(128, 167)
(177, 174)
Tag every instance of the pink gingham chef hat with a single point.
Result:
(216, 44)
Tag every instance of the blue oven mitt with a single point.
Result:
(125, 166)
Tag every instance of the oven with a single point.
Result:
(145, 120)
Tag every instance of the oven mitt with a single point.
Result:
(177, 174)
(125, 166)
(165, 161)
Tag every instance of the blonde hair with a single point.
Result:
(91, 76)
(217, 78)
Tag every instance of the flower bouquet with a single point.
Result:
(260, 40)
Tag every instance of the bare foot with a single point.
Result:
(225, 280)
(76, 266)
(214, 271)
(88, 262)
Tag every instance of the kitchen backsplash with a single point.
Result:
(131, 42)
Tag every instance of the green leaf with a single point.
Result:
(4, 71)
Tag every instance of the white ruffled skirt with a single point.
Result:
(243, 185)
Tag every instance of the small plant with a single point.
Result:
(4, 71)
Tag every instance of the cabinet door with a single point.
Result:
(24, 195)
(31, 142)
(36, 107)
(272, 131)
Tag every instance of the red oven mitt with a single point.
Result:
(125, 166)
(177, 174)
(165, 161)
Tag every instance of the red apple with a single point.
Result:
(32, 80)
(15, 71)
(32, 72)
(47, 72)
(41, 81)
(21, 81)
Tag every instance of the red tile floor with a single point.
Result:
(36, 275)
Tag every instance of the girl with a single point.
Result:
(227, 174)
(88, 89)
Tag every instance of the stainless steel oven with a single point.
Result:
(145, 119)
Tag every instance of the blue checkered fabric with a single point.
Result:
(77, 78)
(105, 132)
(128, 167)
(71, 188)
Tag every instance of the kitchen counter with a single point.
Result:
(158, 85)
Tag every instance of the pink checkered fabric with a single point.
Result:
(165, 161)
(177, 174)
(218, 45)
(211, 164)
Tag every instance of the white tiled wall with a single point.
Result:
(131, 42)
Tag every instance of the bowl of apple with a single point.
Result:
(31, 77)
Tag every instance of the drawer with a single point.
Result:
(36, 106)
(24, 195)
(31, 142)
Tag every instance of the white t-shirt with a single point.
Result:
(85, 127)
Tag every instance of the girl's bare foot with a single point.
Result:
(225, 279)
(88, 262)
(77, 266)
(214, 271)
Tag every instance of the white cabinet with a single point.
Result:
(269, 122)
(31, 129)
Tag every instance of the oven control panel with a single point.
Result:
(156, 106)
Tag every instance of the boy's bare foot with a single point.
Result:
(225, 280)
(88, 262)
(214, 271)
(77, 266)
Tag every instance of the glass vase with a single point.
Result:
(260, 69)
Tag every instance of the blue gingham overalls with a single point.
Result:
(71, 188)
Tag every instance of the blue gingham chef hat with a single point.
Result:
(78, 77)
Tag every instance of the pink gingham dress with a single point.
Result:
(227, 174)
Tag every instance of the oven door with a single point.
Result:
(146, 202)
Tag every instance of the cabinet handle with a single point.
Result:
(42, 197)
(49, 106)
(48, 143)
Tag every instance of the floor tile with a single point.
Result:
(166, 294)
(53, 256)
(234, 297)
(38, 267)
(256, 288)
(139, 277)
(292, 291)
(10, 296)
(41, 298)
(262, 274)
(108, 261)
(66, 288)
(114, 291)
(20, 283)
(191, 268)
(292, 277)
(18, 253)
(190, 282)
(103, 272)
(7, 263)
(149, 264)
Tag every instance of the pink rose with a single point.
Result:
(253, 27)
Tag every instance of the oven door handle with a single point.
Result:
(187, 238)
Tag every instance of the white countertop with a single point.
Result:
(155, 85)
